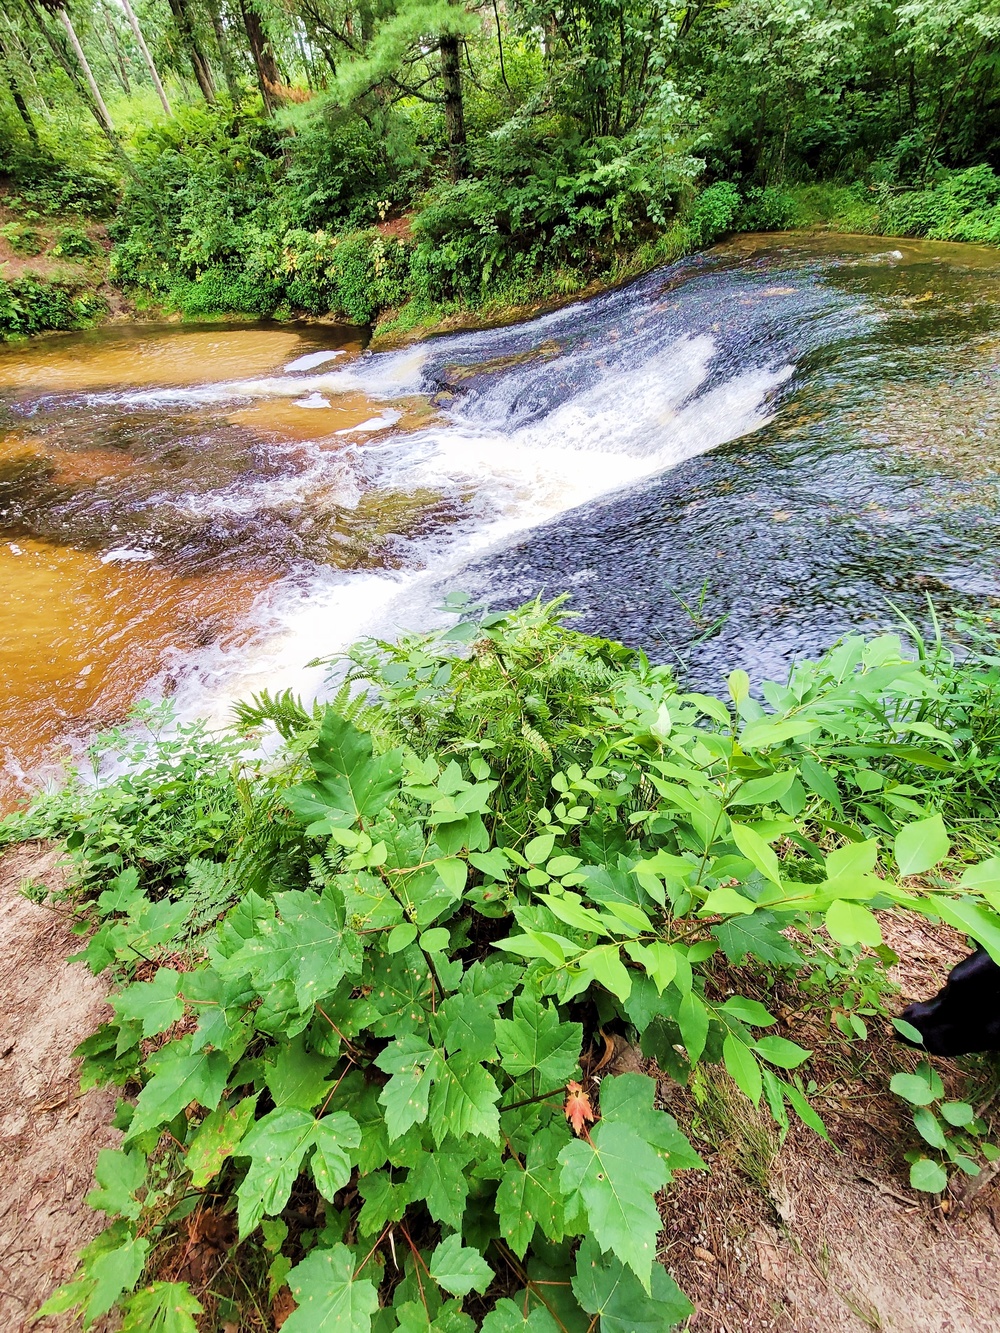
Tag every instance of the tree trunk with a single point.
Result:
(18, 96)
(263, 57)
(88, 74)
(454, 107)
(225, 53)
(202, 70)
(141, 43)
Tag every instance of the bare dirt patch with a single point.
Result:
(49, 1134)
(808, 1237)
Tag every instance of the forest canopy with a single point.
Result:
(361, 156)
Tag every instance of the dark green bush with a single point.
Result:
(32, 305)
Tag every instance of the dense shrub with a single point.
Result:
(361, 987)
(32, 305)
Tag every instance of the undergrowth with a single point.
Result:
(363, 986)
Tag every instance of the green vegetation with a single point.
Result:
(362, 986)
(397, 160)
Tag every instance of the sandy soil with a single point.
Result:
(49, 1134)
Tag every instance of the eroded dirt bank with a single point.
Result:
(49, 1134)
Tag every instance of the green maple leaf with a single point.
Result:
(369, 902)
(220, 1004)
(351, 781)
(181, 1075)
(362, 1099)
(400, 991)
(759, 935)
(119, 1176)
(439, 1179)
(460, 1269)
(605, 1287)
(507, 1317)
(217, 1138)
(529, 1196)
(111, 1264)
(386, 1200)
(297, 1077)
(307, 945)
(465, 1023)
(615, 1177)
(463, 1100)
(414, 1066)
(537, 1039)
(155, 1003)
(277, 1146)
(334, 1136)
(163, 1307)
(628, 1099)
(330, 1299)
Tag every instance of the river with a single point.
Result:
(731, 461)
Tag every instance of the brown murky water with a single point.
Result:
(88, 614)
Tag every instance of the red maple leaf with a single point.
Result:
(578, 1109)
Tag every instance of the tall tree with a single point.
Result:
(184, 19)
(150, 65)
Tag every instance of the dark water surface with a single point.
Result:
(729, 462)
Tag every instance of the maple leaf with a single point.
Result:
(578, 1109)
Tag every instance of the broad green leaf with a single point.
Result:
(119, 1175)
(350, 780)
(539, 849)
(806, 1113)
(758, 935)
(929, 1128)
(757, 851)
(921, 845)
(763, 791)
(463, 1101)
(985, 875)
(817, 779)
(748, 1011)
(155, 1003)
(114, 1272)
(914, 1088)
(604, 964)
(460, 1269)
(334, 1136)
(569, 909)
(628, 1099)
(276, 1146)
(606, 1288)
(738, 684)
(958, 1113)
(435, 940)
(508, 1317)
(742, 1065)
(330, 1299)
(530, 1195)
(781, 1052)
(726, 901)
(414, 1065)
(692, 1019)
(307, 944)
(217, 1138)
(439, 1179)
(971, 918)
(401, 937)
(297, 1077)
(162, 1307)
(180, 1076)
(929, 1176)
(851, 923)
(536, 1039)
(465, 1023)
(614, 1178)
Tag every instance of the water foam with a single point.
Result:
(624, 423)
